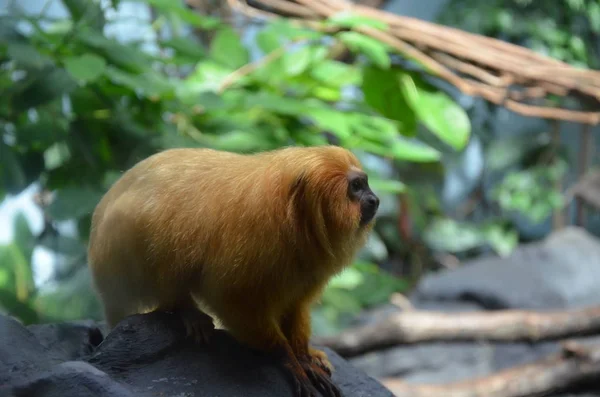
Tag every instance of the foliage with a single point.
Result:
(17, 289)
(530, 191)
(522, 170)
(77, 107)
(361, 285)
(569, 30)
(448, 235)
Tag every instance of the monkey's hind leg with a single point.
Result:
(198, 325)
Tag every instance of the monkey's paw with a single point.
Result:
(320, 358)
(198, 325)
(320, 377)
(311, 381)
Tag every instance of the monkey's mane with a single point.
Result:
(318, 208)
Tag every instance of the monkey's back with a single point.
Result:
(182, 217)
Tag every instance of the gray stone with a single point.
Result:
(71, 378)
(69, 340)
(561, 271)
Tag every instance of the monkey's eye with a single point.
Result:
(356, 185)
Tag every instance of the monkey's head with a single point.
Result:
(331, 199)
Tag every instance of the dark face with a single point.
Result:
(359, 190)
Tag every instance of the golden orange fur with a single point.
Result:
(254, 238)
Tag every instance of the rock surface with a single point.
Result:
(145, 355)
(562, 271)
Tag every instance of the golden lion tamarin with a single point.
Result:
(253, 238)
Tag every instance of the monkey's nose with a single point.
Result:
(373, 201)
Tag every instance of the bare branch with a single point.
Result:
(447, 52)
(577, 362)
(505, 326)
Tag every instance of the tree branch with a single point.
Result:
(504, 326)
(576, 363)
(448, 52)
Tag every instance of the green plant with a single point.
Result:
(78, 107)
(524, 169)
(531, 191)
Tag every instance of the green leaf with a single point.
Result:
(43, 133)
(24, 238)
(246, 141)
(268, 40)
(149, 83)
(56, 155)
(12, 257)
(124, 56)
(46, 86)
(326, 93)
(371, 48)
(74, 202)
(440, 114)
(374, 128)
(350, 278)
(9, 31)
(305, 138)
(331, 120)
(22, 310)
(400, 149)
(444, 234)
(85, 68)
(594, 15)
(276, 103)
(282, 29)
(335, 74)
(206, 77)
(227, 49)
(383, 93)
(342, 300)
(296, 62)
(185, 47)
(88, 11)
(351, 20)
(502, 240)
(412, 151)
(177, 8)
(27, 56)
(11, 171)
(387, 185)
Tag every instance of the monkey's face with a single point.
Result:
(360, 193)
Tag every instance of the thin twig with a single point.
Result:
(249, 68)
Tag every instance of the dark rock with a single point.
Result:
(71, 378)
(558, 272)
(146, 355)
(21, 354)
(70, 341)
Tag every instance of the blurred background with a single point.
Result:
(88, 88)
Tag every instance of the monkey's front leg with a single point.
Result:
(265, 334)
(297, 329)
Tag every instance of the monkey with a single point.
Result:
(254, 238)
